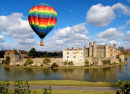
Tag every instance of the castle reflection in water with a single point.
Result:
(93, 75)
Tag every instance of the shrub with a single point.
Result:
(54, 65)
(28, 62)
(46, 61)
(86, 62)
(17, 65)
(120, 60)
(70, 63)
(7, 60)
(65, 63)
(124, 86)
(106, 62)
(25, 64)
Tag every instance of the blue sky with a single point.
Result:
(78, 23)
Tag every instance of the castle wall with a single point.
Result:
(39, 61)
(1, 59)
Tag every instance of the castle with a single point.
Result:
(95, 54)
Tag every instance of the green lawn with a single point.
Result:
(70, 83)
(127, 55)
(73, 92)
(68, 92)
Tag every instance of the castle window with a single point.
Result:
(81, 56)
(80, 59)
(74, 56)
(74, 52)
(67, 52)
(81, 53)
(67, 56)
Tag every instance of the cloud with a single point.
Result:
(13, 25)
(127, 36)
(110, 34)
(100, 15)
(128, 0)
(67, 37)
(101, 40)
(121, 8)
(2, 38)
(123, 26)
(112, 42)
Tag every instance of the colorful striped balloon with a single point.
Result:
(42, 18)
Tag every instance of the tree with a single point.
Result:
(7, 60)
(33, 52)
(65, 63)
(70, 63)
(86, 62)
(46, 61)
(46, 55)
(120, 60)
(28, 61)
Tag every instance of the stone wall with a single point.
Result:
(98, 60)
(1, 59)
(39, 61)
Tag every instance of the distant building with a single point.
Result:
(15, 55)
(100, 50)
(75, 55)
(95, 54)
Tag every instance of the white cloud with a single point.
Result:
(112, 42)
(121, 8)
(101, 40)
(100, 15)
(127, 36)
(128, 0)
(123, 26)
(68, 37)
(2, 38)
(13, 25)
(110, 34)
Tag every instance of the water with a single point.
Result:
(111, 74)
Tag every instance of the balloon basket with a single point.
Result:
(41, 43)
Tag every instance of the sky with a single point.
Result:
(78, 23)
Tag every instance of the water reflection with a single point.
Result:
(110, 74)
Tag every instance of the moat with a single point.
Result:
(111, 74)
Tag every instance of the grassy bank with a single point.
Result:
(68, 92)
(25, 66)
(94, 67)
(66, 67)
(70, 83)
(127, 55)
(73, 92)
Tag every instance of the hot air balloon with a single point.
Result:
(42, 19)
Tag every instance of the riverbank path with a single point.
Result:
(80, 88)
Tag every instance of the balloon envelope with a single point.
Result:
(42, 18)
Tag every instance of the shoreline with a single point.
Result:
(67, 67)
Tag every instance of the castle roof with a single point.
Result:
(14, 52)
(73, 49)
(11, 52)
(23, 52)
(121, 53)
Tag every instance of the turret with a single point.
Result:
(106, 50)
(90, 49)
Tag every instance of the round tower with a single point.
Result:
(121, 56)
